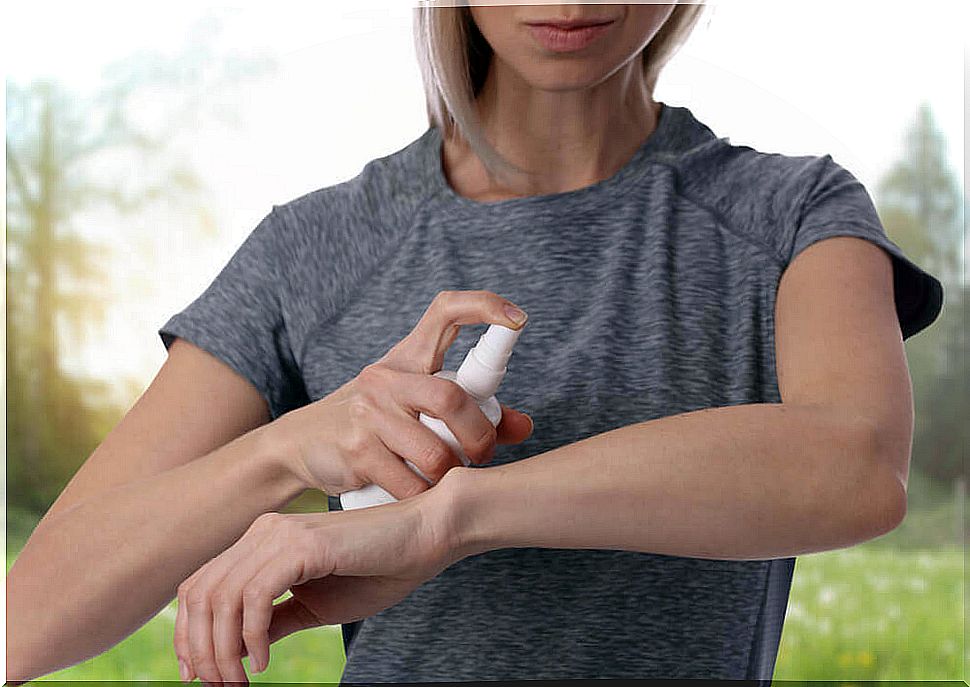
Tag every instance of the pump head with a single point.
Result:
(482, 370)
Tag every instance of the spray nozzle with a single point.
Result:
(482, 370)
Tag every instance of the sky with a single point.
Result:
(826, 76)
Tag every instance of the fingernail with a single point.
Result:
(183, 671)
(514, 314)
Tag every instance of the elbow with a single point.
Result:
(893, 509)
(883, 511)
(885, 492)
(887, 511)
(875, 504)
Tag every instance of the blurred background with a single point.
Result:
(144, 143)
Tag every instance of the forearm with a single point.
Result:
(737, 482)
(93, 574)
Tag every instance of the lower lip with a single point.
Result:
(566, 40)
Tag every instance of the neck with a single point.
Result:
(566, 139)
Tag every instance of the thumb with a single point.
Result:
(289, 616)
(514, 427)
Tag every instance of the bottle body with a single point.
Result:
(373, 495)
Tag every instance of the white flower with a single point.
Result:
(826, 595)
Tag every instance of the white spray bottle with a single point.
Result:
(480, 374)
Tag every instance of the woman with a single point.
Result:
(712, 381)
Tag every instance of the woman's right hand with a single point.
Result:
(362, 432)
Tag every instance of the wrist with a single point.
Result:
(457, 510)
(273, 452)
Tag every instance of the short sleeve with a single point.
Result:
(239, 319)
(839, 205)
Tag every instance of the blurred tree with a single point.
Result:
(946, 425)
(57, 144)
(921, 201)
(921, 206)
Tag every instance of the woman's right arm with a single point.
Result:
(175, 483)
(194, 463)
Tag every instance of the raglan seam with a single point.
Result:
(764, 246)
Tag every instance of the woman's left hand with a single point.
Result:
(340, 566)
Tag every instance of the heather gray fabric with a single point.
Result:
(650, 293)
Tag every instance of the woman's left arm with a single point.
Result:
(824, 469)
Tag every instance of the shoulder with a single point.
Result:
(327, 242)
(755, 192)
(357, 219)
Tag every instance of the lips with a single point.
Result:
(566, 25)
(560, 40)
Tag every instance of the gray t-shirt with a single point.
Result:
(650, 293)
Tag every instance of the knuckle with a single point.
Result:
(207, 669)
(447, 397)
(262, 522)
(357, 444)
(434, 457)
(251, 633)
(253, 593)
(374, 374)
(222, 601)
(443, 298)
(290, 530)
(483, 447)
(200, 658)
(359, 410)
(225, 656)
(267, 520)
(196, 601)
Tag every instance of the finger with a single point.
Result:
(183, 621)
(445, 400)
(407, 439)
(337, 599)
(201, 591)
(386, 468)
(276, 576)
(403, 436)
(181, 636)
(228, 638)
(514, 427)
(290, 616)
(227, 643)
(423, 349)
(201, 653)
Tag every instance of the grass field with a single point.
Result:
(875, 614)
(866, 613)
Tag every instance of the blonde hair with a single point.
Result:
(453, 57)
